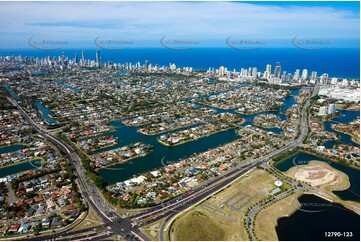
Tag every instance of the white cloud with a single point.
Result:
(152, 20)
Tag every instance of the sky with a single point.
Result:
(206, 24)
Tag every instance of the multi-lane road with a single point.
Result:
(129, 228)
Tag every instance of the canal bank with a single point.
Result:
(127, 135)
(12, 148)
(345, 117)
(44, 112)
(20, 167)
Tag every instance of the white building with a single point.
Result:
(322, 111)
(314, 77)
(304, 74)
(296, 76)
(336, 92)
(324, 78)
(331, 108)
(221, 71)
(254, 72)
(344, 83)
(334, 81)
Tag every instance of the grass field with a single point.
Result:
(198, 226)
(114, 238)
(90, 221)
(222, 222)
(266, 219)
(152, 230)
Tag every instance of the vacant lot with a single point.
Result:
(198, 226)
(221, 217)
(266, 219)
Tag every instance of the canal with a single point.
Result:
(21, 167)
(127, 135)
(345, 117)
(12, 148)
(44, 112)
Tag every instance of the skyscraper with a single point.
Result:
(277, 71)
(82, 57)
(254, 72)
(62, 59)
(97, 57)
(314, 76)
(76, 58)
(221, 71)
(268, 70)
(304, 74)
(324, 78)
(331, 108)
(296, 76)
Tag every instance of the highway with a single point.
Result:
(128, 227)
(89, 193)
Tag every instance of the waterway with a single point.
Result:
(13, 94)
(12, 148)
(61, 83)
(21, 167)
(127, 135)
(39, 73)
(345, 117)
(317, 217)
(44, 112)
(352, 193)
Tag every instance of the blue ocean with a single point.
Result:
(342, 63)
